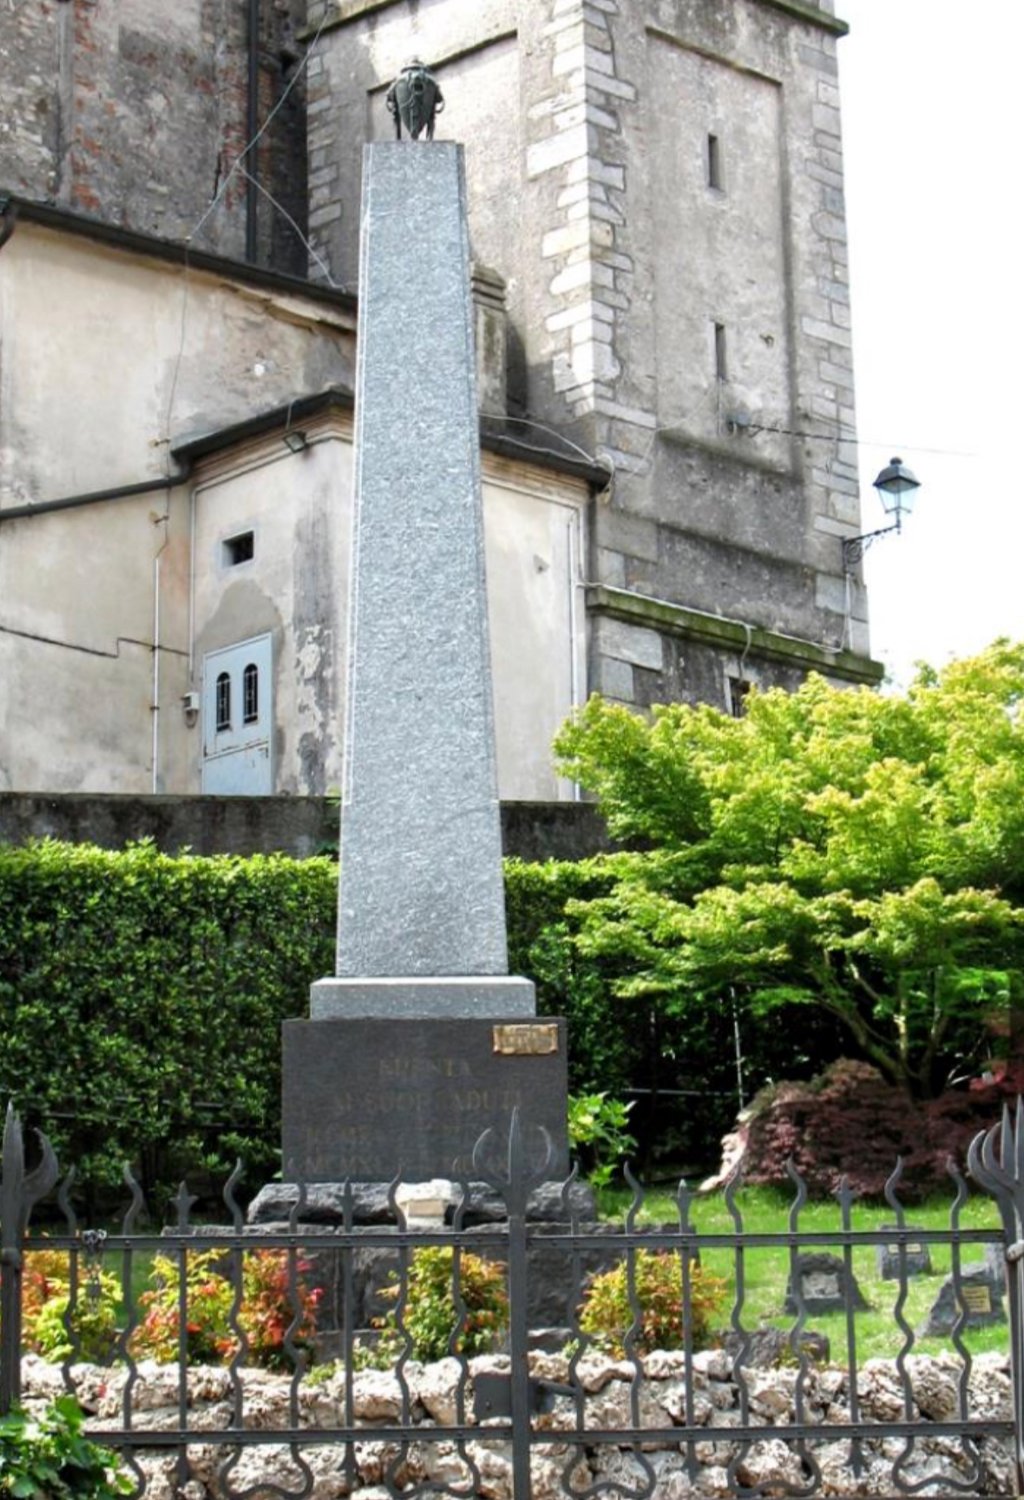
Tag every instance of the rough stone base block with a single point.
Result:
(422, 999)
(368, 1099)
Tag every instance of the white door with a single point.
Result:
(237, 719)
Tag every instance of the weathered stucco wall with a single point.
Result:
(297, 507)
(109, 610)
(83, 595)
(107, 359)
(295, 587)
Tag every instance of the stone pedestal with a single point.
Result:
(372, 1099)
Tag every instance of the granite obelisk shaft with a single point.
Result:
(421, 924)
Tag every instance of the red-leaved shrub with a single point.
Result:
(850, 1121)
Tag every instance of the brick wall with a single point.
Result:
(135, 110)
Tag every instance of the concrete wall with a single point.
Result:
(587, 139)
(134, 110)
(300, 826)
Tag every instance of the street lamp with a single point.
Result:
(895, 485)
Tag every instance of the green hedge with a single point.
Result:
(141, 997)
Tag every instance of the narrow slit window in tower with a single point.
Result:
(714, 163)
(721, 368)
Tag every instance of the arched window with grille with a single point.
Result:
(250, 693)
(223, 702)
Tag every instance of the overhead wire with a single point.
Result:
(591, 458)
(240, 158)
(236, 166)
(285, 214)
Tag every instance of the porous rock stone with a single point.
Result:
(324, 1203)
(771, 1463)
(935, 1462)
(437, 1389)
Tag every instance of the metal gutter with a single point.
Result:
(495, 437)
(93, 497)
(291, 414)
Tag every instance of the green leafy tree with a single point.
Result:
(49, 1455)
(842, 849)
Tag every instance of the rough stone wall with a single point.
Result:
(735, 467)
(299, 826)
(687, 320)
(701, 1393)
(135, 110)
(33, 43)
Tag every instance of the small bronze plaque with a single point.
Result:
(977, 1299)
(533, 1039)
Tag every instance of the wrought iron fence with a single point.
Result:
(552, 1412)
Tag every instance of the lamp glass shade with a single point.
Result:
(896, 485)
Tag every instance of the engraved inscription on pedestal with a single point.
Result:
(412, 1096)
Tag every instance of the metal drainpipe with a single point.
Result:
(251, 127)
(164, 521)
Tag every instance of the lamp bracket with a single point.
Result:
(854, 547)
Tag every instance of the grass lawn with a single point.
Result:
(766, 1211)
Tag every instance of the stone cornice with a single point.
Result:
(712, 630)
(800, 10)
(803, 10)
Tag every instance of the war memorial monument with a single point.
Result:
(421, 1039)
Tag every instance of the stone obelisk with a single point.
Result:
(421, 1038)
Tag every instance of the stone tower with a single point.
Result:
(659, 184)
(656, 215)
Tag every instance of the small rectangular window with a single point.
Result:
(739, 688)
(714, 163)
(721, 365)
(239, 549)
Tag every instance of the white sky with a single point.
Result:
(934, 151)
